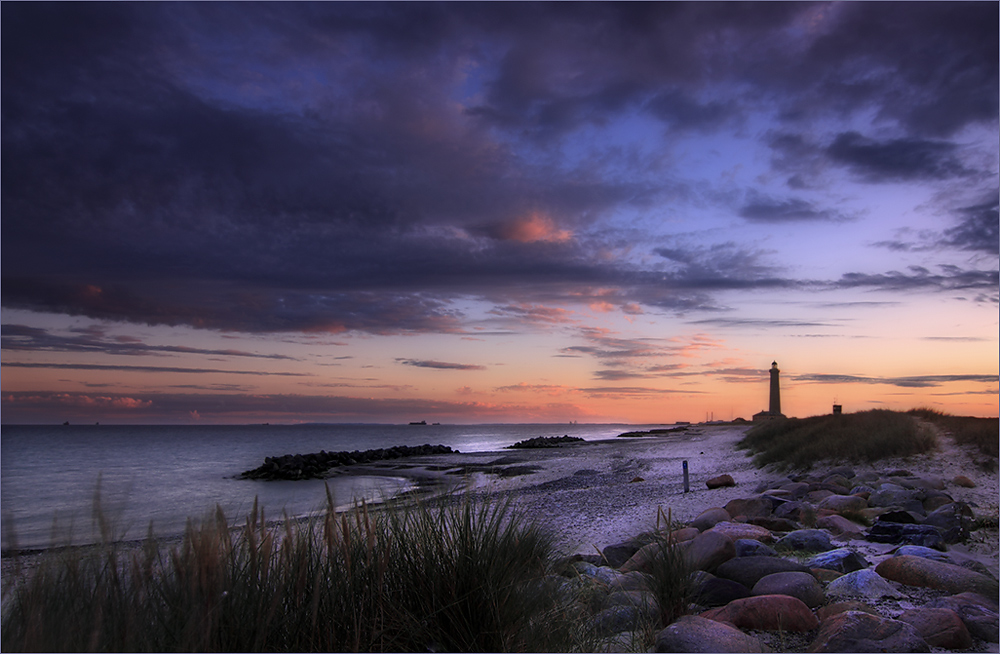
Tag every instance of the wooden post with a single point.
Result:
(687, 488)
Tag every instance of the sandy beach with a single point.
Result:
(598, 493)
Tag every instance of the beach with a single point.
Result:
(597, 493)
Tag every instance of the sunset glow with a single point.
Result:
(498, 212)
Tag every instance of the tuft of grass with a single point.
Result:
(465, 575)
(866, 436)
(983, 433)
(670, 573)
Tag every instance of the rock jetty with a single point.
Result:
(788, 569)
(318, 464)
(544, 441)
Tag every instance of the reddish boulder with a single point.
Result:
(858, 631)
(738, 530)
(710, 517)
(709, 549)
(750, 507)
(918, 571)
(766, 612)
(939, 627)
(721, 481)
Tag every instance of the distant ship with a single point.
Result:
(422, 422)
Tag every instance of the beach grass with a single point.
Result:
(862, 437)
(466, 575)
(982, 433)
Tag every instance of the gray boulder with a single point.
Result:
(842, 560)
(753, 547)
(748, 570)
(691, 633)
(801, 585)
(862, 584)
(810, 540)
(857, 631)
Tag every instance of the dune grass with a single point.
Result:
(459, 577)
(983, 433)
(866, 436)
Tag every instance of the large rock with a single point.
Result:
(838, 525)
(810, 540)
(748, 570)
(963, 481)
(801, 585)
(891, 497)
(774, 524)
(752, 547)
(766, 612)
(839, 607)
(619, 553)
(953, 520)
(719, 592)
(923, 552)
(843, 503)
(857, 631)
(918, 571)
(750, 507)
(978, 613)
(863, 584)
(797, 511)
(709, 549)
(939, 627)
(721, 481)
(692, 633)
(619, 618)
(842, 560)
(710, 517)
(738, 530)
(891, 532)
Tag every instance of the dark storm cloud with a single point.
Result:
(124, 368)
(440, 365)
(270, 167)
(763, 209)
(896, 159)
(915, 381)
(34, 339)
(949, 278)
(979, 229)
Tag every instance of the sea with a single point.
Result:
(53, 476)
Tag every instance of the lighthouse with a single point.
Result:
(774, 405)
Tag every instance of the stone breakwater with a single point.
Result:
(318, 464)
(787, 569)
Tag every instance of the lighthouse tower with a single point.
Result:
(774, 406)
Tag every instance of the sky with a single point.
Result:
(496, 212)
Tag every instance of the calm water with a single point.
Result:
(166, 474)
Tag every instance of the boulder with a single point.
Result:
(738, 530)
(938, 627)
(774, 524)
(748, 570)
(619, 553)
(862, 584)
(683, 534)
(901, 516)
(797, 511)
(642, 559)
(797, 490)
(837, 480)
(953, 519)
(810, 540)
(858, 631)
(843, 471)
(934, 502)
(842, 560)
(634, 580)
(923, 552)
(710, 517)
(801, 585)
(838, 525)
(751, 547)
(766, 612)
(692, 633)
(618, 618)
(719, 592)
(842, 503)
(893, 532)
(721, 481)
(890, 497)
(750, 507)
(963, 481)
(918, 571)
(709, 549)
(978, 613)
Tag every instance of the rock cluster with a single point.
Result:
(544, 441)
(780, 565)
(316, 465)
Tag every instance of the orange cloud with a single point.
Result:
(533, 228)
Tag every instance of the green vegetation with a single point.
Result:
(983, 433)
(855, 437)
(465, 576)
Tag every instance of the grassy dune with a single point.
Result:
(854, 437)
(982, 433)
(455, 576)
